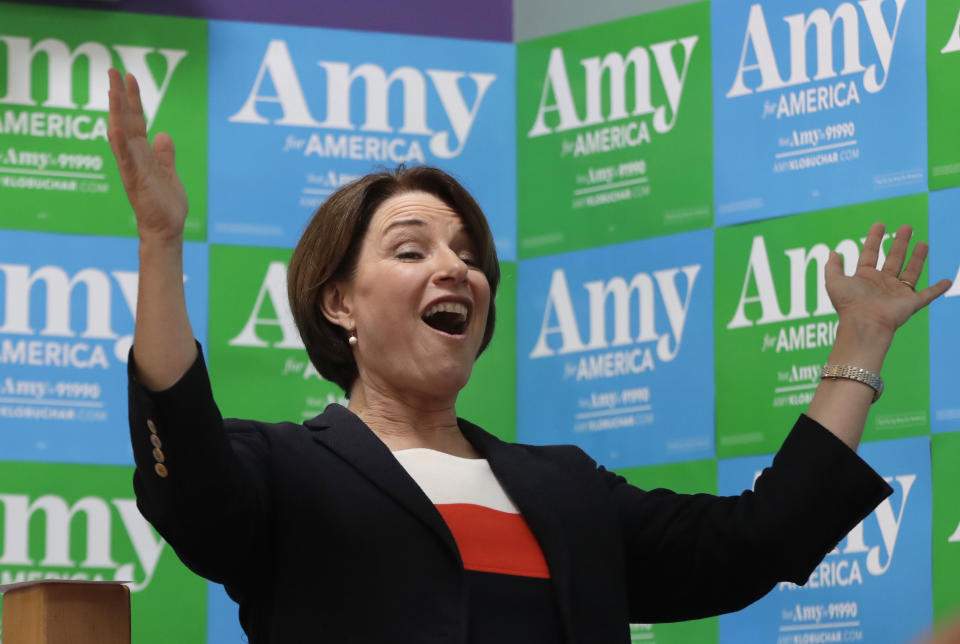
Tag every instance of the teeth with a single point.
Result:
(447, 307)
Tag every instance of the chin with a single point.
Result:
(447, 382)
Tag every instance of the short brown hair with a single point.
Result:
(330, 245)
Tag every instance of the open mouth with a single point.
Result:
(447, 317)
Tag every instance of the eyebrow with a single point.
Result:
(403, 222)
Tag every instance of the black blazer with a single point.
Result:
(321, 535)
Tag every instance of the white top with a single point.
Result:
(446, 478)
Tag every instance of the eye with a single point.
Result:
(469, 260)
(409, 254)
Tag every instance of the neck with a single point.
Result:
(405, 421)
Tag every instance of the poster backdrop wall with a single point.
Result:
(664, 191)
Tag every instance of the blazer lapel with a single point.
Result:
(519, 476)
(341, 431)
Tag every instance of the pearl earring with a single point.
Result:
(352, 340)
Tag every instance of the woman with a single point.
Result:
(349, 528)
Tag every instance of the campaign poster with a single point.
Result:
(691, 477)
(816, 104)
(259, 365)
(297, 112)
(775, 325)
(945, 452)
(945, 311)
(614, 350)
(875, 586)
(67, 307)
(943, 97)
(57, 173)
(614, 132)
(81, 522)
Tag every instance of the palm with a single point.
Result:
(885, 296)
(148, 172)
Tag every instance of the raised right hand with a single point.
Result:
(148, 173)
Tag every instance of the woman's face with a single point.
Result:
(418, 300)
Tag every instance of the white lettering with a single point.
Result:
(955, 537)
(824, 25)
(461, 116)
(676, 307)
(557, 82)
(758, 271)
(757, 38)
(278, 64)
(19, 281)
(340, 77)
(889, 525)
(758, 265)
(60, 66)
(274, 287)
(58, 516)
(953, 44)
(558, 299)
(18, 512)
(146, 543)
(615, 66)
(955, 287)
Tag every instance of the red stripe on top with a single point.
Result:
(494, 541)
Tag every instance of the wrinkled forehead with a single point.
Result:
(417, 210)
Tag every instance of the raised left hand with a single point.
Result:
(882, 299)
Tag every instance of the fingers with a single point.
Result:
(118, 101)
(915, 265)
(898, 252)
(127, 131)
(115, 132)
(134, 121)
(133, 95)
(871, 246)
(931, 293)
(833, 267)
(126, 110)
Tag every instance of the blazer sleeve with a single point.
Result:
(203, 484)
(693, 556)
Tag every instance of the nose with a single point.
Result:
(450, 267)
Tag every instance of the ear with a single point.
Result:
(335, 305)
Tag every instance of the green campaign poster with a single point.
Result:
(943, 92)
(614, 134)
(81, 522)
(945, 452)
(490, 398)
(57, 173)
(691, 477)
(259, 367)
(775, 325)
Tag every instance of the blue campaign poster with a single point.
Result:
(615, 350)
(945, 312)
(816, 105)
(67, 306)
(875, 586)
(297, 112)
